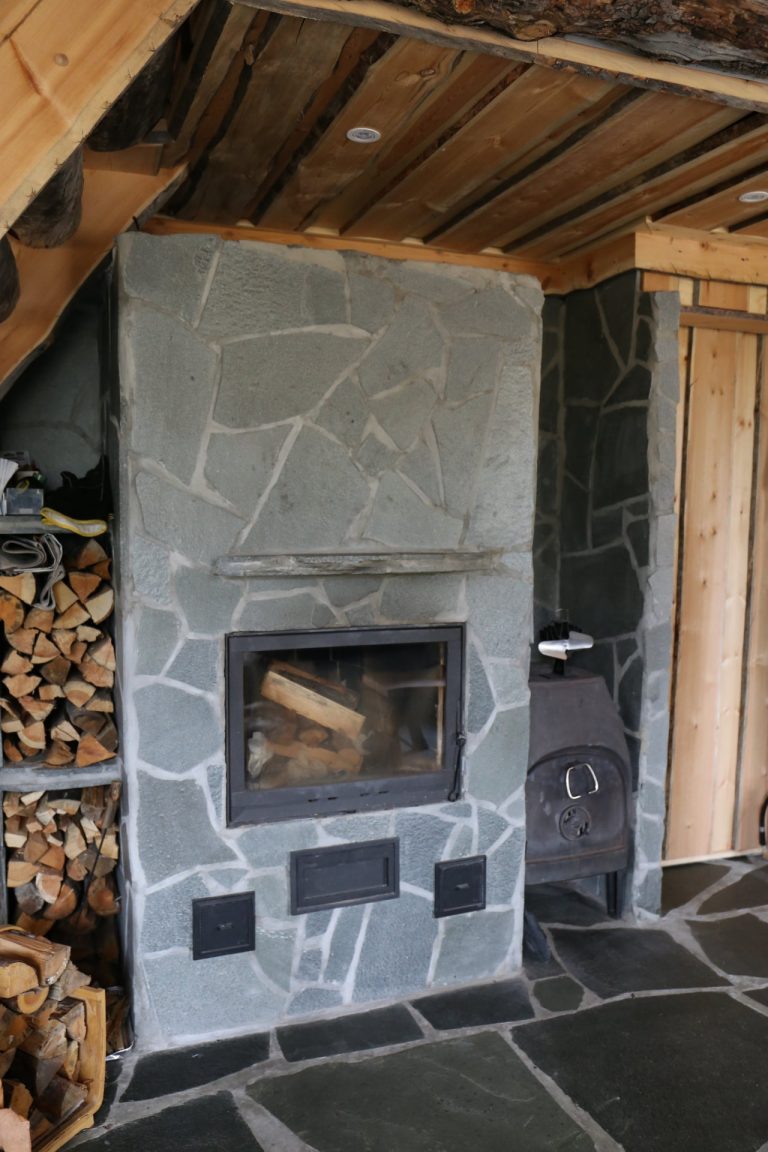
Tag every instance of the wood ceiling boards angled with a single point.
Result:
(389, 97)
(643, 133)
(536, 113)
(280, 74)
(728, 153)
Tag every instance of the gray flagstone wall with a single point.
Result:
(277, 400)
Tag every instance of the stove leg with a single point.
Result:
(535, 943)
(613, 894)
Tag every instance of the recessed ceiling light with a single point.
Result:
(756, 196)
(363, 135)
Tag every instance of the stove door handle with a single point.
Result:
(577, 796)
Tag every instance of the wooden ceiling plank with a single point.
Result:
(294, 60)
(644, 134)
(727, 154)
(722, 208)
(51, 276)
(299, 141)
(392, 94)
(624, 66)
(61, 68)
(532, 116)
(474, 82)
(219, 37)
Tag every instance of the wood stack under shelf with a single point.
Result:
(58, 666)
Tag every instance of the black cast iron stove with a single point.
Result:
(579, 782)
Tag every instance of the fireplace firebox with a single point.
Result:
(341, 721)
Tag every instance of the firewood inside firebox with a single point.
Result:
(310, 728)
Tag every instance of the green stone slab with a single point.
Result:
(738, 944)
(662, 1073)
(208, 1124)
(685, 881)
(562, 994)
(465, 1094)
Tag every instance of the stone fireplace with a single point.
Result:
(317, 443)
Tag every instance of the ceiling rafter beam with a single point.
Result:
(554, 51)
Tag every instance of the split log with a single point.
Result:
(9, 280)
(11, 612)
(140, 107)
(61, 1098)
(347, 760)
(20, 1098)
(23, 586)
(54, 215)
(311, 704)
(16, 977)
(15, 664)
(27, 1003)
(49, 960)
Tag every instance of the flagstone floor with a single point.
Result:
(650, 1038)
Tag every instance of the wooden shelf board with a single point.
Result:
(30, 778)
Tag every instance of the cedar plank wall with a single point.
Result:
(719, 739)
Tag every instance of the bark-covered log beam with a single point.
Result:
(609, 58)
(715, 33)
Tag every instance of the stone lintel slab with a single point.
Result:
(355, 563)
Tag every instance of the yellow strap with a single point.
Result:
(53, 519)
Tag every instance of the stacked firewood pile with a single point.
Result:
(62, 855)
(44, 1027)
(58, 666)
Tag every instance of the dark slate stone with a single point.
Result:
(598, 659)
(634, 386)
(625, 650)
(208, 1124)
(631, 694)
(162, 1073)
(562, 904)
(601, 591)
(472, 1092)
(550, 400)
(738, 945)
(760, 996)
(607, 527)
(562, 994)
(536, 969)
(645, 304)
(618, 960)
(749, 891)
(581, 422)
(591, 369)
(644, 340)
(574, 517)
(634, 744)
(621, 456)
(638, 508)
(618, 300)
(639, 534)
(358, 1033)
(506, 1000)
(662, 1073)
(547, 486)
(682, 883)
